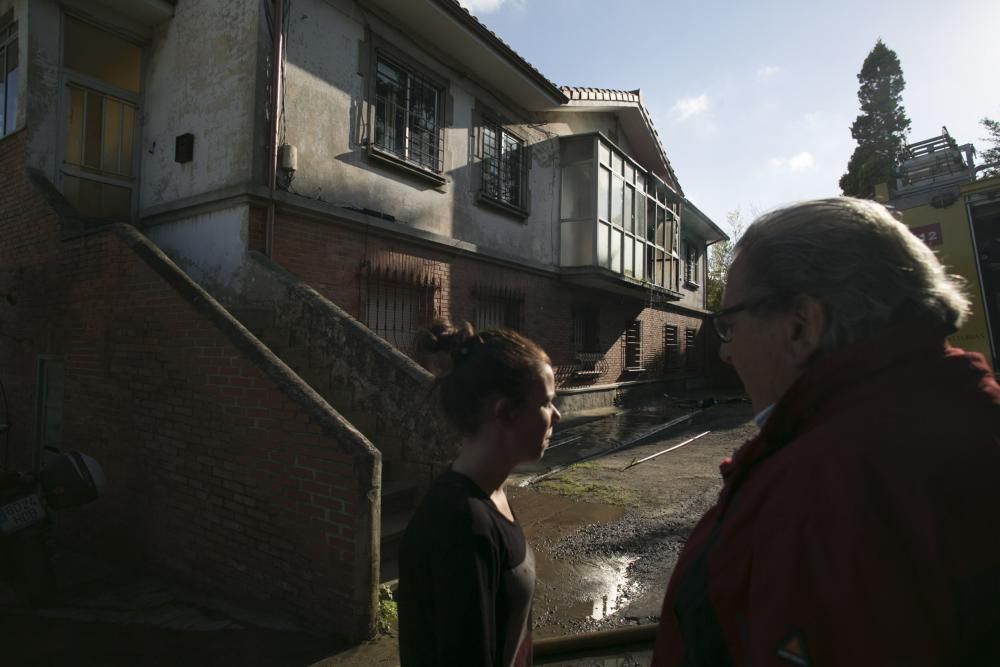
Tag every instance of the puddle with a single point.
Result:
(597, 587)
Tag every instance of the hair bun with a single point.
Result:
(441, 346)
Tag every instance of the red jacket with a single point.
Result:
(860, 527)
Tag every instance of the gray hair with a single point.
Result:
(864, 266)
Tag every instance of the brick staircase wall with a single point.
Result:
(381, 391)
(225, 470)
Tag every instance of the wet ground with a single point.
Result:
(607, 536)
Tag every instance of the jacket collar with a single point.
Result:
(828, 377)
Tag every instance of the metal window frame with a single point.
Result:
(671, 347)
(691, 257)
(412, 74)
(414, 298)
(503, 132)
(69, 77)
(691, 362)
(497, 307)
(635, 325)
(8, 38)
(655, 191)
(586, 320)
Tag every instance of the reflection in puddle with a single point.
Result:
(603, 583)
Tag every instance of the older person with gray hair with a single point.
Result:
(860, 526)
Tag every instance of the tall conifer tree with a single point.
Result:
(880, 129)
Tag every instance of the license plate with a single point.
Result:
(21, 513)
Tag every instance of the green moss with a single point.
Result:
(572, 482)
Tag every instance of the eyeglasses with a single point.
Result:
(723, 327)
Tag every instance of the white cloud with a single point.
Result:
(803, 161)
(689, 106)
(765, 73)
(484, 6)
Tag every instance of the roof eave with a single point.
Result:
(462, 15)
(665, 170)
(714, 232)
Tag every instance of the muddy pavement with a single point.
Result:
(606, 539)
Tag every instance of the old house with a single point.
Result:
(223, 222)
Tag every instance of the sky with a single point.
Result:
(754, 101)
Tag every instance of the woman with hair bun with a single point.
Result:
(466, 573)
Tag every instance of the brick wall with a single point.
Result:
(330, 257)
(224, 469)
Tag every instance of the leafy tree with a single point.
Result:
(720, 258)
(880, 129)
(991, 156)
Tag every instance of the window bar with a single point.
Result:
(406, 119)
(104, 111)
(121, 140)
(83, 131)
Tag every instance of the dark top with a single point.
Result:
(466, 580)
(859, 527)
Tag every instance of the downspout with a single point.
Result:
(277, 61)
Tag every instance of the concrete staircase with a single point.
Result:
(383, 393)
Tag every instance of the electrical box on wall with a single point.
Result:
(184, 148)
(288, 158)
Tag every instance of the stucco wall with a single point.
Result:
(328, 73)
(42, 99)
(565, 123)
(210, 247)
(201, 77)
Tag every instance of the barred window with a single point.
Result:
(671, 347)
(497, 307)
(407, 116)
(691, 348)
(8, 74)
(503, 165)
(586, 328)
(691, 265)
(633, 346)
(396, 304)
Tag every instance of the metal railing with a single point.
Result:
(497, 307)
(396, 303)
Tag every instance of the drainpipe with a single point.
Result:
(277, 30)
